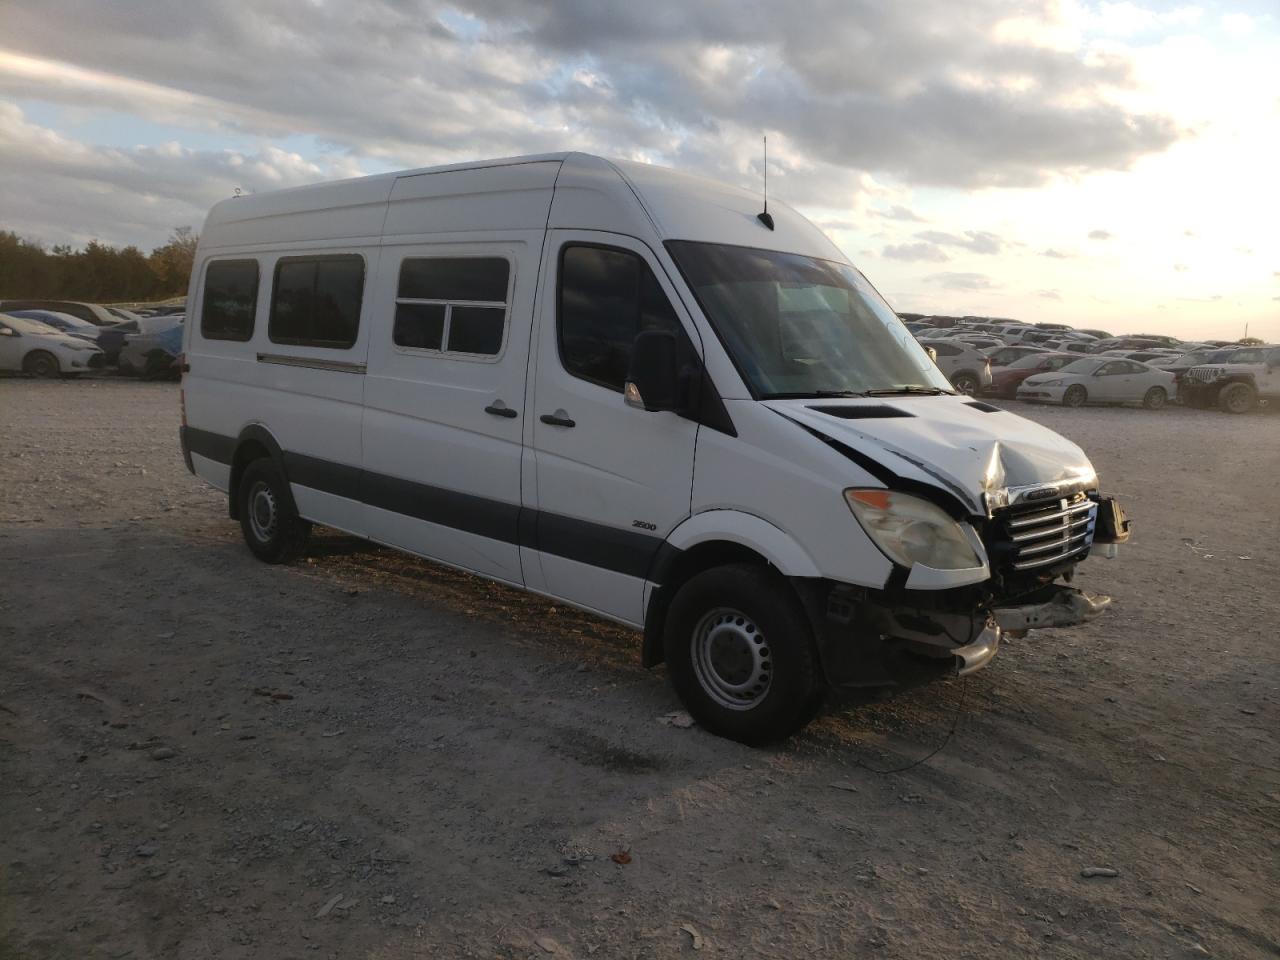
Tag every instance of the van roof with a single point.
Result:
(590, 193)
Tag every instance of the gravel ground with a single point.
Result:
(364, 755)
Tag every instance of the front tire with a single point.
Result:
(741, 654)
(965, 383)
(42, 364)
(272, 528)
(1075, 396)
(1238, 398)
(1155, 398)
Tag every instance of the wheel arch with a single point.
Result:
(254, 443)
(712, 539)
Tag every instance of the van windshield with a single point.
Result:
(798, 326)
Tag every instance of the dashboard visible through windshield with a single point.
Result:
(800, 326)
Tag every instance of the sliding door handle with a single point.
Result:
(500, 409)
(557, 419)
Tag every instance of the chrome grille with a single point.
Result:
(1033, 536)
(1203, 374)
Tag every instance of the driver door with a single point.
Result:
(610, 481)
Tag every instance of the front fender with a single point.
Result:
(774, 544)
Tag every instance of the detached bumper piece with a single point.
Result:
(1062, 607)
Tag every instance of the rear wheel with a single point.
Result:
(1075, 396)
(966, 383)
(741, 654)
(1238, 398)
(39, 363)
(270, 523)
(1155, 398)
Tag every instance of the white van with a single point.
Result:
(638, 393)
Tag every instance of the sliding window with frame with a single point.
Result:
(455, 306)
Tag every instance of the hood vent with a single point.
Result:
(875, 411)
(979, 405)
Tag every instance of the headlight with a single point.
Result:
(910, 530)
(1057, 382)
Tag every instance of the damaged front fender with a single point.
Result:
(1063, 607)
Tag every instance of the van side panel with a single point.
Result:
(309, 398)
(505, 198)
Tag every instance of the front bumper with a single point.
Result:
(1038, 393)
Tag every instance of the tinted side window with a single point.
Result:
(946, 350)
(452, 304)
(606, 297)
(315, 301)
(230, 300)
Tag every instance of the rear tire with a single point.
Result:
(965, 383)
(40, 363)
(270, 522)
(741, 654)
(1238, 398)
(1075, 396)
(1155, 399)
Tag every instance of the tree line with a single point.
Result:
(99, 273)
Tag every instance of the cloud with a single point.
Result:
(1100, 235)
(1181, 267)
(1055, 254)
(61, 191)
(915, 251)
(927, 93)
(899, 212)
(1049, 294)
(976, 241)
(960, 281)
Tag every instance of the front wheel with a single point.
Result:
(965, 383)
(270, 523)
(1238, 398)
(41, 364)
(741, 654)
(1155, 398)
(1075, 396)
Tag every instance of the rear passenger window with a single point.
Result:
(315, 301)
(607, 296)
(230, 300)
(452, 304)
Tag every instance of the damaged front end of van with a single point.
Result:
(977, 557)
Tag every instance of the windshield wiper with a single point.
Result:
(914, 390)
(812, 395)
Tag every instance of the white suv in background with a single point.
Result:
(967, 367)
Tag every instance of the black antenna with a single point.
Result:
(764, 216)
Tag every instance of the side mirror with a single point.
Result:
(653, 380)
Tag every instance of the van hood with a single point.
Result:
(984, 456)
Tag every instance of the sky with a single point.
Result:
(1103, 164)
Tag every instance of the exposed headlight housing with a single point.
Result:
(911, 530)
(1055, 382)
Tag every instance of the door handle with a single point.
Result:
(558, 419)
(500, 409)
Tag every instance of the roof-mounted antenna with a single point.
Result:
(764, 216)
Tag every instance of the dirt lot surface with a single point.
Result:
(366, 756)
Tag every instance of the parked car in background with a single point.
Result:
(1096, 334)
(121, 314)
(1068, 346)
(1003, 356)
(1247, 376)
(28, 346)
(1005, 380)
(966, 367)
(1100, 380)
(153, 352)
(1179, 365)
(62, 322)
(982, 343)
(95, 313)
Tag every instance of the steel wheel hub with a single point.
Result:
(263, 517)
(732, 659)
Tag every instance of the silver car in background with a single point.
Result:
(1100, 380)
(967, 367)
